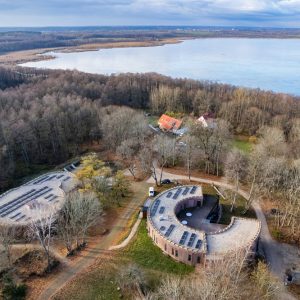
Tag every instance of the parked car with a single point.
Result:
(166, 181)
(151, 191)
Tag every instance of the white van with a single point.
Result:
(151, 191)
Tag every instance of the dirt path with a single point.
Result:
(274, 251)
(70, 270)
(130, 236)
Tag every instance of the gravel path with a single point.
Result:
(72, 269)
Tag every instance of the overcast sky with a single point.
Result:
(280, 13)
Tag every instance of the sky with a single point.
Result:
(264, 13)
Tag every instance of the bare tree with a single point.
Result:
(7, 238)
(42, 228)
(236, 164)
(190, 152)
(128, 151)
(266, 284)
(147, 162)
(79, 213)
(163, 146)
(132, 278)
(223, 279)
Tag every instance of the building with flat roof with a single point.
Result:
(20, 205)
(176, 236)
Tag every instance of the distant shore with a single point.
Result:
(20, 57)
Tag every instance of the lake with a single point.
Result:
(269, 64)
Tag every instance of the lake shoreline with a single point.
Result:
(17, 58)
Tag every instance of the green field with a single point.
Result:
(242, 145)
(144, 253)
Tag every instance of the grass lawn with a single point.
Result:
(96, 284)
(153, 120)
(243, 145)
(144, 253)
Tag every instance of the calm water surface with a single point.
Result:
(270, 64)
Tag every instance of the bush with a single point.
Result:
(11, 290)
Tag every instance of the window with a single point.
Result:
(176, 253)
(189, 258)
(165, 247)
(198, 259)
(172, 251)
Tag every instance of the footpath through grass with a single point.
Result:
(144, 253)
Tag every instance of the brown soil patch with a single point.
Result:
(32, 263)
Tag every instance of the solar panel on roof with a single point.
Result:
(19, 203)
(21, 218)
(193, 190)
(155, 207)
(14, 216)
(198, 244)
(192, 240)
(183, 238)
(185, 191)
(170, 229)
(162, 210)
(169, 194)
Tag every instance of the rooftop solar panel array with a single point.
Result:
(192, 240)
(155, 207)
(183, 238)
(22, 200)
(170, 229)
(193, 190)
(162, 210)
(169, 195)
(186, 190)
(177, 193)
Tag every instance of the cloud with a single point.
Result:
(152, 12)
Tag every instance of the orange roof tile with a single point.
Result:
(168, 123)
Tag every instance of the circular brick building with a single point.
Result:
(178, 222)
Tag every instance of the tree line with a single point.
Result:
(44, 120)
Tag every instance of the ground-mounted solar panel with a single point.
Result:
(169, 194)
(183, 238)
(162, 210)
(186, 190)
(193, 190)
(170, 229)
(198, 245)
(192, 240)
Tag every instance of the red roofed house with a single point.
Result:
(167, 123)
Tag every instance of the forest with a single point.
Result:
(46, 117)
